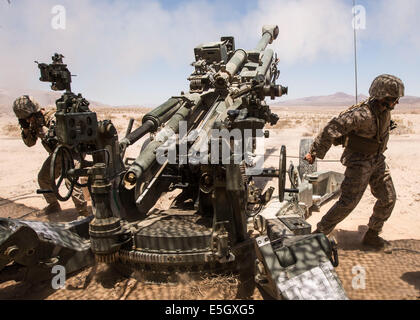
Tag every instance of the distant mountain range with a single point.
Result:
(45, 98)
(338, 99)
(48, 98)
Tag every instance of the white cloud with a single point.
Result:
(109, 43)
(396, 23)
(308, 29)
(105, 40)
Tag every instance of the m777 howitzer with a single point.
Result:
(202, 143)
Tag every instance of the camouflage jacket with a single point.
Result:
(41, 131)
(363, 120)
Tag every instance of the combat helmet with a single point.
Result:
(25, 106)
(385, 86)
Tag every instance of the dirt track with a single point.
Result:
(393, 275)
(388, 276)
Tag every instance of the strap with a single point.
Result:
(362, 145)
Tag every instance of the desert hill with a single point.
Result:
(48, 98)
(338, 99)
(45, 98)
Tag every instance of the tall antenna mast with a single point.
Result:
(355, 49)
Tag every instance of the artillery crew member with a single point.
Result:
(35, 123)
(363, 130)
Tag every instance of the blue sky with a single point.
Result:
(138, 52)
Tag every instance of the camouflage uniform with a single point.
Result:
(41, 131)
(364, 132)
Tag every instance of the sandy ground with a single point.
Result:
(19, 167)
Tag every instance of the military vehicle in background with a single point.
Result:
(204, 144)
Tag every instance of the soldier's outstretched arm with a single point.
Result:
(338, 127)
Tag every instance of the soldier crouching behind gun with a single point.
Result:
(363, 130)
(35, 123)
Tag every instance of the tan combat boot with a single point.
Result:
(372, 239)
(51, 208)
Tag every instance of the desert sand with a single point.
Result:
(19, 167)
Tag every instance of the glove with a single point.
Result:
(310, 158)
(23, 123)
(393, 125)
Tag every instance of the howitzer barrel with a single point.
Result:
(148, 156)
(270, 33)
(137, 134)
(162, 113)
(235, 62)
(223, 77)
(155, 118)
(266, 62)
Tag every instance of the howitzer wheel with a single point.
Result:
(63, 155)
(282, 172)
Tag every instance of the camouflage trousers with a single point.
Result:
(44, 182)
(358, 175)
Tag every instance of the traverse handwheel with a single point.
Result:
(61, 163)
